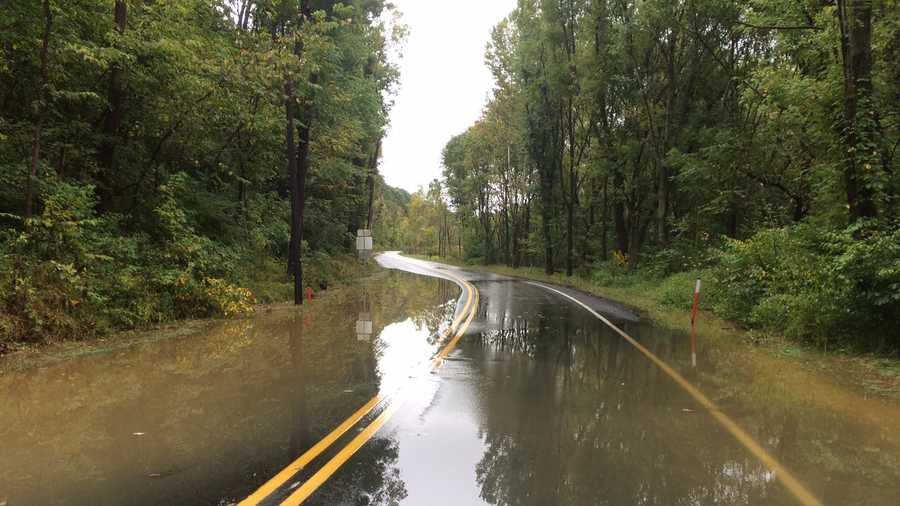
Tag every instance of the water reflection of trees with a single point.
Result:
(438, 313)
(377, 481)
(575, 416)
(428, 302)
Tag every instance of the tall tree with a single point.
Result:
(861, 162)
(40, 108)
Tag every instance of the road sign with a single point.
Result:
(364, 240)
(364, 243)
(364, 327)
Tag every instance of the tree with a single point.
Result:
(155, 129)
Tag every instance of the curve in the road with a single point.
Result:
(321, 476)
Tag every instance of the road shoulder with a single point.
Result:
(864, 375)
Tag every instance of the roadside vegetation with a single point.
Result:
(643, 144)
(180, 159)
(759, 354)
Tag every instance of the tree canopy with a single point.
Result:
(158, 156)
(680, 135)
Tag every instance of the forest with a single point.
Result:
(750, 143)
(164, 159)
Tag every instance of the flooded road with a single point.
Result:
(201, 419)
(538, 403)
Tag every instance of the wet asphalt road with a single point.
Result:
(537, 403)
(542, 404)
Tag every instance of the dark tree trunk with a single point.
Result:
(855, 18)
(42, 111)
(619, 216)
(604, 231)
(112, 122)
(485, 218)
(244, 15)
(799, 209)
(507, 259)
(546, 213)
(733, 221)
(370, 183)
(302, 172)
(516, 259)
(459, 237)
(527, 228)
(662, 205)
(570, 224)
(294, 267)
(298, 167)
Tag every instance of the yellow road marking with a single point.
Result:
(322, 475)
(793, 485)
(308, 456)
(297, 465)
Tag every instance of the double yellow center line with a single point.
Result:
(460, 324)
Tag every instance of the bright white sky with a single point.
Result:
(444, 83)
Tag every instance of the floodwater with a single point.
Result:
(539, 404)
(205, 418)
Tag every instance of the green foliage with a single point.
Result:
(814, 287)
(74, 274)
(636, 142)
(159, 189)
(677, 290)
(612, 273)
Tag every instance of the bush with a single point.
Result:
(613, 272)
(844, 284)
(67, 273)
(677, 291)
(229, 300)
(680, 256)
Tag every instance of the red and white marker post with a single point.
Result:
(694, 323)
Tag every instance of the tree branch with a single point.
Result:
(776, 27)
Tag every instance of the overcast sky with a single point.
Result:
(444, 83)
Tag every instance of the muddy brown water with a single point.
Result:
(539, 404)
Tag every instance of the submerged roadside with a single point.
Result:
(766, 354)
(205, 414)
(269, 288)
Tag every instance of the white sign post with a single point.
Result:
(364, 243)
(364, 327)
(694, 323)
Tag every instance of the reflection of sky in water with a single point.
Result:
(439, 416)
(440, 439)
(403, 352)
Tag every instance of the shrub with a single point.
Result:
(66, 273)
(678, 290)
(844, 284)
(229, 300)
(613, 272)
